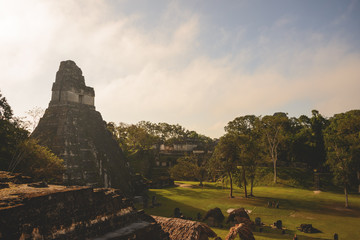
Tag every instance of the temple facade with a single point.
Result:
(76, 132)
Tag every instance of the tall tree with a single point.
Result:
(246, 131)
(11, 134)
(18, 153)
(342, 139)
(273, 129)
(318, 125)
(226, 157)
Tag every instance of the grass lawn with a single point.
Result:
(324, 210)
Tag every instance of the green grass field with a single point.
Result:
(324, 210)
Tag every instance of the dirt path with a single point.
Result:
(184, 185)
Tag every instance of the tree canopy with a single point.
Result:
(342, 138)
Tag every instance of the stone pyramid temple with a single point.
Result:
(76, 132)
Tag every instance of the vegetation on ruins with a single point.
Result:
(37, 161)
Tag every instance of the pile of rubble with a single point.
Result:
(308, 228)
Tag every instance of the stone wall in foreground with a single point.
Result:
(59, 212)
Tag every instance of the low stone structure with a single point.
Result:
(6, 177)
(73, 130)
(214, 217)
(241, 230)
(180, 229)
(307, 228)
(77, 212)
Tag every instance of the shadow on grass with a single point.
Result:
(205, 186)
(194, 192)
(327, 207)
(167, 206)
(270, 232)
(286, 236)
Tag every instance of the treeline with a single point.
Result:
(19, 153)
(331, 144)
(141, 142)
(317, 143)
(146, 135)
(251, 141)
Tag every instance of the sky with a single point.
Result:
(199, 64)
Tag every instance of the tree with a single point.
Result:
(226, 157)
(246, 131)
(37, 162)
(318, 125)
(186, 168)
(273, 129)
(141, 143)
(33, 117)
(305, 140)
(18, 153)
(5, 109)
(302, 146)
(138, 145)
(342, 139)
(190, 167)
(11, 134)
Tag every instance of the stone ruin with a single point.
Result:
(241, 230)
(214, 217)
(76, 132)
(75, 212)
(238, 216)
(185, 229)
(308, 228)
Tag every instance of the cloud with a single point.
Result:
(162, 74)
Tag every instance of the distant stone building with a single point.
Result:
(76, 132)
(169, 154)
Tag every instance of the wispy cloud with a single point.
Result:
(163, 74)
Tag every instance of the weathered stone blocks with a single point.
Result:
(76, 132)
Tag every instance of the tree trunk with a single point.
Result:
(201, 178)
(244, 180)
(231, 185)
(275, 174)
(346, 196)
(251, 186)
(358, 177)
